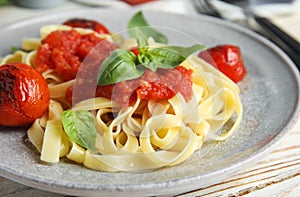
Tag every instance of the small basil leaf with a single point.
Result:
(117, 67)
(80, 127)
(185, 51)
(142, 39)
(147, 61)
(172, 56)
(165, 58)
(14, 49)
(138, 21)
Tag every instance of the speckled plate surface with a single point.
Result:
(271, 108)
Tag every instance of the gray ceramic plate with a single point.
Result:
(271, 108)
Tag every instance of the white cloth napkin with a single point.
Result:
(270, 10)
(284, 15)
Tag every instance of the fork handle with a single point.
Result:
(290, 42)
(291, 46)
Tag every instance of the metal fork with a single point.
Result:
(205, 7)
(278, 36)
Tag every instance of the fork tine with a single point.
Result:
(212, 8)
(205, 7)
(201, 6)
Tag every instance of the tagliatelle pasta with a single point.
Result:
(146, 135)
(174, 131)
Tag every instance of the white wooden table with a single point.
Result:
(277, 174)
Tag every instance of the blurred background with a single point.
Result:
(284, 14)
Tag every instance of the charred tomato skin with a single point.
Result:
(24, 95)
(87, 24)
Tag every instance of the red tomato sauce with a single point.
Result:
(163, 84)
(64, 52)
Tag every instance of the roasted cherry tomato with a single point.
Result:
(88, 24)
(228, 59)
(24, 94)
(136, 2)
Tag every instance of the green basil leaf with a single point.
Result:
(138, 21)
(166, 58)
(172, 56)
(185, 51)
(117, 67)
(80, 127)
(146, 60)
(14, 49)
(142, 39)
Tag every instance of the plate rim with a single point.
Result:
(34, 181)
